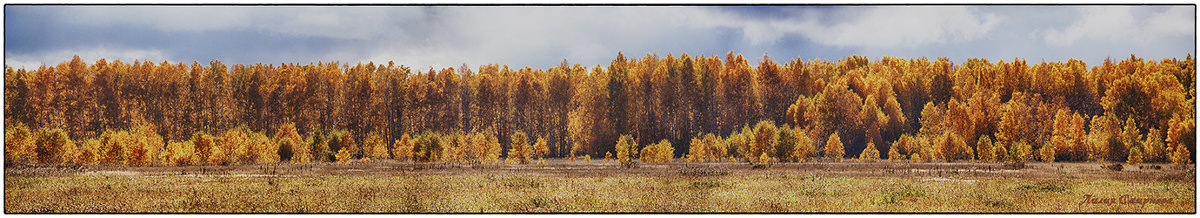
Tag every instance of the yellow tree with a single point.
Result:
(834, 149)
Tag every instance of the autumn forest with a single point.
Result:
(649, 109)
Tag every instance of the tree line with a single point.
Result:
(722, 109)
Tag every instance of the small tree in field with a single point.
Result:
(540, 148)
(377, 147)
(1135, 155)
(626, 150)
(870, 153)
(519, 151)
(1180, 155)
(1046, 153)
(894, 154)
(51, 144)
(834, 149)
(402, 149)
(986, 151)
(290, 149)
(1020, 152)
(343, 155)
(660, 152)
(785, 147)
(806, 147)
(18, 145)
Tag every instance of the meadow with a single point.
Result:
(602, 187)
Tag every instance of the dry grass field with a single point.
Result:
(602, 186)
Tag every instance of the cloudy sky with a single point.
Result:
(540, 37)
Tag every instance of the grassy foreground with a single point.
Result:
(533, 193)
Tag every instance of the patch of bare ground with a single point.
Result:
(562, 167)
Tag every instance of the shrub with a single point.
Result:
(986, 151)
(178, 154)
(112, 147)
(343, 155)
(785, 146)
(1154, 146)
(660, 152)
(1135, 155)
(51, 144)
(587, 157)
(238, 142)
(870, 153)
(402, 149)
(203, 144)
(377, 147)
(519, 148)
(290, 149)
(834, 149)
(540, 148)
(337, 140)
(1046, 153)
(428, 148)
(317, 146)
(1020, 152)
(262, 150)
(916, 157)
(894, 154)
(492, 147)
(18, 145)
(286, 149)
(741, 145)
(697, 150)
(805, 147)
(766, 137)
(1181, 155)
(89, 152)
(954, 148)
(607, 156)
(626, 150)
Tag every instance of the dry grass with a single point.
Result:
(515, 192)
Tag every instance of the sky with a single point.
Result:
(425, 37)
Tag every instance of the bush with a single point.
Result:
(1020, 152)
(607, 156)
(376, 146)
(1046, 153)
(765, 138)
(1154, 146)
(492, 145)
(238, 142)
(697, 150)
(986, 151)
(785, 146)
(428, 148)
(262, 150)
(805, 147)
(587, 157)
(290, 149)
(343, 155)
(519, 148)
(1181, 155)
(540, 148)
(870, 153)
(18, 145)
(1135, 155)
(402, 149)
(894, 154)
(660, 152)
(203, 143)
(834, 149)
(51, 144)
(178, 154)
(89, 153)
(287, 149)
(954, 148)
(112, 147)
(626, 150)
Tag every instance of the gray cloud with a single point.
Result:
(437, 37)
